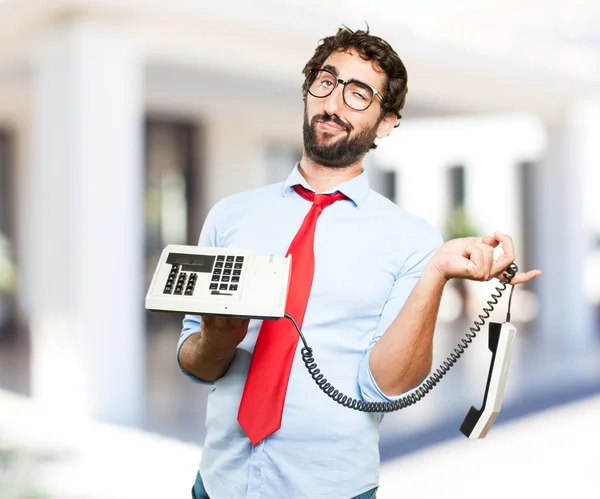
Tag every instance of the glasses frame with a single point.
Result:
(376, 93)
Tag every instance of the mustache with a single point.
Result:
(333, 118)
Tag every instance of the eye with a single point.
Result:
(360, 95)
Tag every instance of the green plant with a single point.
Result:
(460, 224)
(7, 267)
(17, 475)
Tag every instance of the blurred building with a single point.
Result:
(122, 123)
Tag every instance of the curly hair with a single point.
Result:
(369, 48)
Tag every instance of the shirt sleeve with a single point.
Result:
(191, 323)
(405, 282)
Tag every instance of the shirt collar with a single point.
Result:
(355, 189)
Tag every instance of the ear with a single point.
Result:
(386, 125)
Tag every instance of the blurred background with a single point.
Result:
(122, 123)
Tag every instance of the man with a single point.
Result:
(375, 282)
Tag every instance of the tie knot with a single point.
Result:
(321, 200)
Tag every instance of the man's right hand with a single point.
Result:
(208, 355)
(223, 333)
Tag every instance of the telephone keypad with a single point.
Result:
(189, 290)
(171, 279)
(225, 276)
(180, 283)
(228, 268)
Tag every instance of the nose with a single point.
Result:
(334, 102)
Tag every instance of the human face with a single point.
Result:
(334, 134)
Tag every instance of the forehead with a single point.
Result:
(350, 65)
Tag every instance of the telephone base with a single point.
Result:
(219, 281)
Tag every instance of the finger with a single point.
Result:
(488, 260)
(501, 275)
(506, 258)
(236, 323)
(490, 241)
(520, 278)
(475, 263)
(208, 320)
(221, 322)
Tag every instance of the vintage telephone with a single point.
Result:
(238, 283)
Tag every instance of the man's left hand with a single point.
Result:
(472, 258)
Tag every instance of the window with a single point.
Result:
(279, 162)
(171, 198)
(456, 181)
(384, 182)
(8, 269)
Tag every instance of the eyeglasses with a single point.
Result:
(357, 94)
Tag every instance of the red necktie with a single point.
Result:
(262, 401)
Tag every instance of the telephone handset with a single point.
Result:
(238, 283)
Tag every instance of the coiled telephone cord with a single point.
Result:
(433, 379)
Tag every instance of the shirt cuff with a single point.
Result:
(369, 388)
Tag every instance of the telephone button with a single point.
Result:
(220, 258)
(237, 272)
(215, 277)
(233, 287)
(230, 258)
(238, 265)
(223, 287)
(213, 285)
(235, 279)
(225, 278)
(239, 258)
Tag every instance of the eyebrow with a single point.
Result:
(334, 70)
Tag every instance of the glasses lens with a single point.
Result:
(358, 95)
(321, 83)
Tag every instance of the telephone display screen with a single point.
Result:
(192, 263)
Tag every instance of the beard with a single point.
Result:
(345, 151)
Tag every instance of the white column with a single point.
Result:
(566, 322)
(422, 190)
(86, 242)
(236, 157)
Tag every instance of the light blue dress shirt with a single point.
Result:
(369, 254)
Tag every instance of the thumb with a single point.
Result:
(238, 323)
